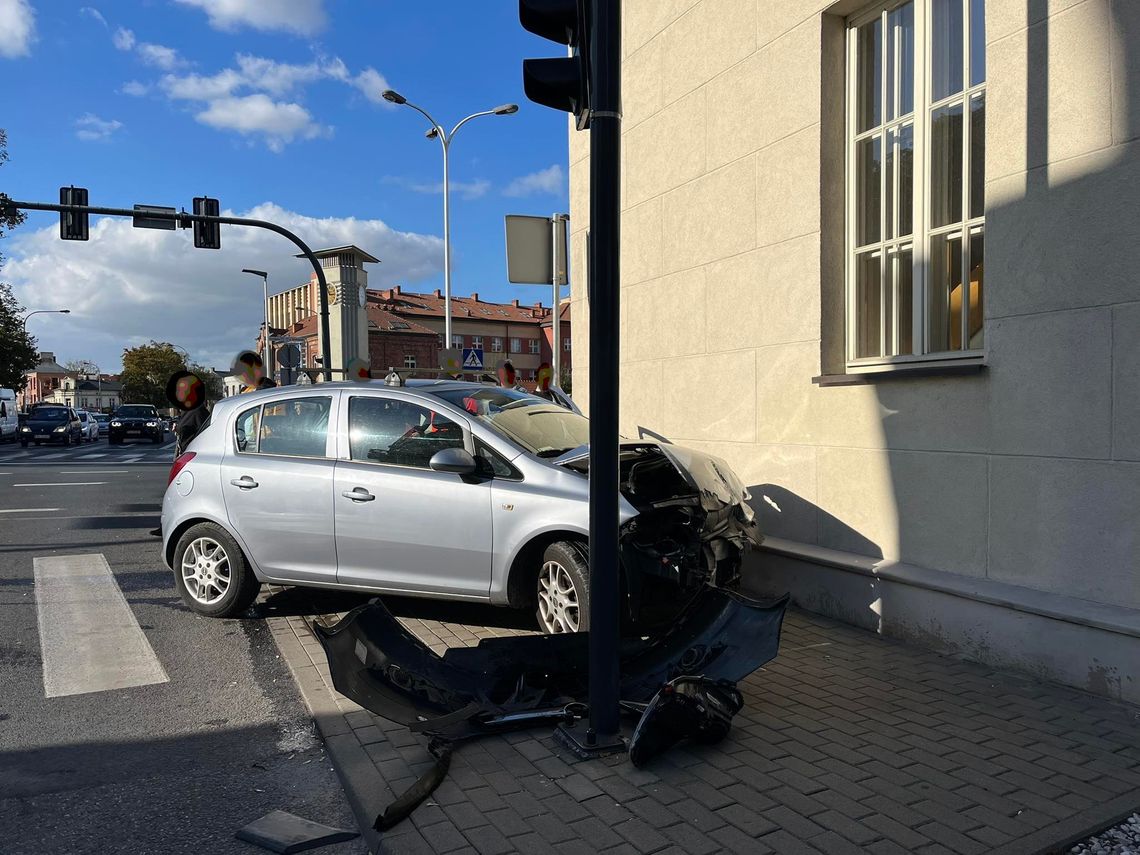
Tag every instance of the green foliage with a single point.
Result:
(146, 370)
(17, 348)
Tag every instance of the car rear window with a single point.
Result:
(49, 413)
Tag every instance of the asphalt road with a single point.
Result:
(175, 766)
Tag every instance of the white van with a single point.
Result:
(9, 421)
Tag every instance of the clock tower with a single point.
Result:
(348, 321)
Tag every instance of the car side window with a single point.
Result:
(297, 427)
(246, 430)
(399, 433)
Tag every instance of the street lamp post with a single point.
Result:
(265, 303)
(44, 312)
(445, 139)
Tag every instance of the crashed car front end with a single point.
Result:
(692, 528)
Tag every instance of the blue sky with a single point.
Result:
(272, 106)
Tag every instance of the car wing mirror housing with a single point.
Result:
(457, 460)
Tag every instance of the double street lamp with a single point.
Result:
(437, 131)
(265, 303)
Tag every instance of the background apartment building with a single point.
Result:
(882, 258)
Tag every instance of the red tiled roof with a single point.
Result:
(431, 305)
(378, 318)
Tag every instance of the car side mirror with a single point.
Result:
(456, 460)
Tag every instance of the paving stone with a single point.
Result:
(606, 809)
(596, 832)
(641, 835)
(690, 839)
(508, 821)
(488, 840)
(786, 843)
(903, 835)
(443, 837)
(746, 819)
(551, 828)
(579, 787)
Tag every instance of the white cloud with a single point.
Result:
(551, 180)
(93, 129)
(160, 56)
(134, 87)
(195, 87)
(92, 12)
(17, 28)
(466, 189)
(371, 82)
(127, 285)
(304, 17)
(123, 38)
(277, 122)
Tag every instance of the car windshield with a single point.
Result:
(136, 412)
(101, 417)
(49, 413)
(537, 425)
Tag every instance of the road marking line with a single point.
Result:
(89, 638)
(94, 472)
(52, 456)
(93, 456)
(168, 445)
(28, 510)
(63, 484)
(133, 459)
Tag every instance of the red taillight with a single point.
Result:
(179, 465)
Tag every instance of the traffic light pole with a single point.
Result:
(184, 219)
(605, 291)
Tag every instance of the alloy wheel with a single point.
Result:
(558, 608)
(206, 570)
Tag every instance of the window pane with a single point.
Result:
(977, 156)
(869, 80)
(945, 304)
(946, 41)
(383, 430)
(868, 306)
(977, 41)
(900, 61)
(904, 282)
(977, 291)
(946, 166)
(900, 196)
(868, 165)
(296, 427)
(246, 430)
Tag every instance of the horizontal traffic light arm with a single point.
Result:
(185, 220)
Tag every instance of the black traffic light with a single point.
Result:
(207, 235)
(73, 225)
(562, 83)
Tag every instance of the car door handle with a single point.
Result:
(358, 494)
(245, 482)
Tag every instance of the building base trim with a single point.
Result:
(1092, 646)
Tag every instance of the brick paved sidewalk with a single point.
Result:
(847, 743)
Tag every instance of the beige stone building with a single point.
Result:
(884, 258)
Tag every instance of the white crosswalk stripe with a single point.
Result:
(90, 640)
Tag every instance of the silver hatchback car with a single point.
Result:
(448, 489)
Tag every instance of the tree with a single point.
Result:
(212, 381)
(146, 370)
(17, 348)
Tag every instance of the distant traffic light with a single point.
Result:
(73, 225)
(562, 83)
(207, 235)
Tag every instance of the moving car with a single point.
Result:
(103, 421)
(90, 426)
(135, 420)
(51, 423)
(9, 418)
(447, 489)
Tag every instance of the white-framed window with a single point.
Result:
(456, 340)
(533, 344)
(916, 82)
(477, 342)
(409, 360)
(496, 345)
(566, 345)
(516, 345)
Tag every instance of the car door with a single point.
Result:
(401, 526)
(277, 483)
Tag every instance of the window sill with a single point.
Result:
(904, 371)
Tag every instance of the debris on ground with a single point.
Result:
(283, 832)
(1122, 839)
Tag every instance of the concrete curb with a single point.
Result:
(366, 791)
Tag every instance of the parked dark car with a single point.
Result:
(52, 423)
(135, 420)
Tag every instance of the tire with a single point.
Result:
(562, 589)
(66, 440)
(115, 440)
(197, 582)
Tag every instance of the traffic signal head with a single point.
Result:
(73, 225)
(207, 235)
(562, 83)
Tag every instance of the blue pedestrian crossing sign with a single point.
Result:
(473, 358)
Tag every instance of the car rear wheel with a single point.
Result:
(563, 589)
(211, 573)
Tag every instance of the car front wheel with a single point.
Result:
(211, 573)
(563, 589)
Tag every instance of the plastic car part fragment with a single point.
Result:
(685, 708)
